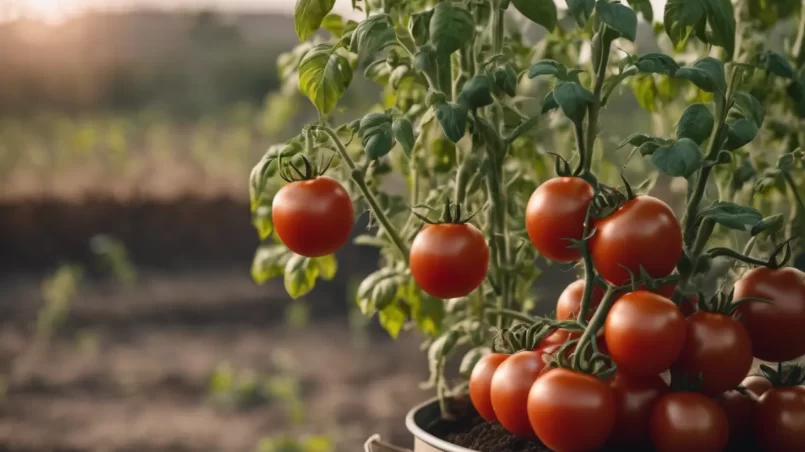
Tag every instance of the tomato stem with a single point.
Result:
(595, 106)
(357, 177)
(595, 323)
(727, 252)
(589, 269)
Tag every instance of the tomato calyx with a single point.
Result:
(778, 258)
(723, 303)
(450, 215)
(561, 166)
(310, 171)
(528, 337)
(785, 375)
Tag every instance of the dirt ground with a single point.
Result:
(141, 383)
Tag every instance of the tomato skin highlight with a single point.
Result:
(718, 348)
(555, 212)
(779, 419)
(634, 400)
(313, 218)
(643, 232)
(568, 305)
(509, 392)
(481, 384)
(688, 422)
(571, 411)
(776, 328)
(644, 333)
(449, 260)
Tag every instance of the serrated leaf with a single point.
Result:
(452, 118)
(476, 93)
(618, 17)
(680, 19)
(749, 107)
(741, 132)
(573, 99)
(403, 132)
(656, 63)
(547, 67)
(696, 123)
(581, 10)
(451, 28)
(542, 12)
(680, 159)
(308, 15)
(776, 64)
(392, 319)
(324, 76)
(328, 265)
(300, 276)
(769, 225)
(707, 74)
(372, 35)
(269, 262)
(733, 216)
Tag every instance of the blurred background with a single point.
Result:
(128, 317)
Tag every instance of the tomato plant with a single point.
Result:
(571, 411)
(555, 216)
(634, 400)
(481, 384)
(509, 391)
(740, 408)
(569, 303)
(779, 419)
(687, 421)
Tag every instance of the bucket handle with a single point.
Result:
(375, 444)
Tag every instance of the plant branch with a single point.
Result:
(578, 127)
(595, 323)
(799, 44)
(727, 252)
(595, 107)
(358, 178)
(589, 269)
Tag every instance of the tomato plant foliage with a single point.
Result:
(489, 148)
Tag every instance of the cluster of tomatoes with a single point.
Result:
(649, 339)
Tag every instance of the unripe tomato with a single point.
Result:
(717, 348)
(779, 419)
(571, 411)
(481, 384)
(775, 328)
(449, 260)
(313, 218)
(634, 398)
(509, 392)
(643, 232)
(644, 333)
(555, 213)
(688, 422)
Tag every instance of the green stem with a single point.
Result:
(595, 107)
(589, 270)
(799, 43)
(511, 313)
(793, 186)
(358, 178)
(595, 323)
(444, 74)
(703, 235)
(578, 127)
(728, 252)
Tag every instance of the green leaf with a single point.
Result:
(707, 74)
(547, 67)
(300, 276)
(769, 225)
(269, 262)
(733, 216)
(392, 319)
(372, 35)
(505, 78)
(581, 10)
(696, 123)
(680, 18)
(452, 117)
(618, 17)
(451, 28)
(643, 7)
(748, 106)
(786, 162)
(741, 132)
(261, 220)
(377, 291)
(335, 24)
(427, 311)
(542, 12)
(378, 71)
(308, 15)
(548, 103)
(680, 159)
(258, 178)
(645, 92)
(657, 63)
(776, 64)
(636, 140)
(721, 18)
(328, 265)
(324, 76)
(419, 26)
(403, 132)
(476, 93)
(573, 99)
(376, 133)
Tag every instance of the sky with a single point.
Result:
(58, 10)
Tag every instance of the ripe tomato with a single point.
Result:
(643, 232)
(688, 422)
(718, 348)
(449, 260)
(779, 419)
(313, 217)
(571, 411)
(740, 408)
(481, 383)
(569, 303)
(634, 399)
(509, 391)
(776, 328)
(644, 333)
(556, 212)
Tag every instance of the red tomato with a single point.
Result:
(740, 408)
(509, 392)
(571, 411)
(569, 303)
(780, 419)
(556, 212)
(313, 218)
(644, 333)
(643, 232)
(776, 328)
(688, 422)
(449, 260)
(481, 383)
(634, 399)
(718, 348)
